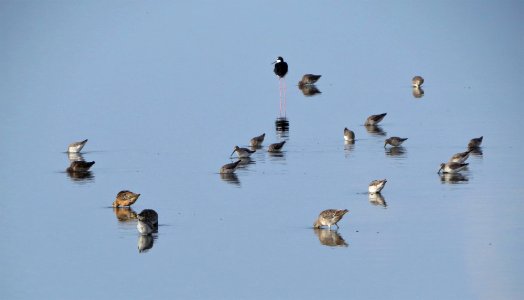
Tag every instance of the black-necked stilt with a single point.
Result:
(280, 70)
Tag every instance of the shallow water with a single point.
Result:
(165, 91)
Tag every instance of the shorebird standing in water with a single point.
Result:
(417, 81)
(76, 147)
(460, 157)
(257, 140)
(349, 135)
(376, 186)
(147, 221)
(374, 119)
(475, 143)
(125, 198)
(308, 79)
(329, 217)
(276, 147)
(281, 71)
(242, 152)
(229, 168)
(452, 167)
(394, 141)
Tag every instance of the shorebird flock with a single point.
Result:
(147, 219)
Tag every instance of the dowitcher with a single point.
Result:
(276, 147)
(349, 135)
(229, 168)
(76, 147)
(375, 119)
(257, 140)
(147, 221)
(308, 79)
(417, 81)
(394, 141)
(125, 198)
(475, 143)
(242, 152)
(460, 157)
(329, 217)
(452, 167)
(376, 186)
(80, 166)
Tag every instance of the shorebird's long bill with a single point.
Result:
(439, 170)
(232, 153)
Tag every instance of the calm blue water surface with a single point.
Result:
(164, 91)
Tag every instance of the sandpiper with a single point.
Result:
(394, 141)
(349, 135)
(242, 152)
(329, 217)
(475, 143)
(308, 79)
(276, 147)
(460, 157)
(80, 166)
(417, 81)
(452, 167)
(76, 147)
(257, 140)
(330, 238)
(125, 198)
(374, 119)
(229, 168)
(376, 186)
(147, 221)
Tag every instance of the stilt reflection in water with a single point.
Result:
(281, 125)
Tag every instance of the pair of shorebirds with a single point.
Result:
(373, 120)
(147, 218)
(457, 162)
(78, 166)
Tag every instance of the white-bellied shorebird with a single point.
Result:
(376, 186)
(76, 147)
(460, 157)
(349, 135)
(147, 221)
(452, 167)
(394, 141)
(329, 217)
(417, 81)
(374, 119)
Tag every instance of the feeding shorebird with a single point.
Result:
(229, 168)
(452, 167)
(280, 70)
(308, 79)
(80, 166)
(76, 147)
(147, 221)
(394, 141)
(376, 186)
(417, 81)
(349, 135)
(276, 147)
(125, 198)
(375, 119)
(475, 143)
(257, 140)
(460, 157)
(329, 217)
(242, 152)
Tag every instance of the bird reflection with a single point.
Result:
(72, 156)
(309, 90)
(476, 151)
(377, 199)
(418, 92)
(145, 242)
(125, 214)
(453, 178)
(396, 151)
(80, 176)
(282, 124)
(244, 161)
(349, 146)
(375, 130)
(330, 238)
(230, 178)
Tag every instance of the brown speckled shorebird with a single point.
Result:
(452, 167)
(329, 217)
(76, 147)
(80, 166)
(308, 79)
(257, 140)
(242, 152)
(125, 198)
(375, 119)
(417, 81)
(229, 168)
(147, 221)
(460, 157)
(475, 143)
(394, 141)
(276, 147)
(349, 135)
(376, 186)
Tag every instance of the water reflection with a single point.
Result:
(349, 146)
(75, 157)
(477, 151)
(230, 178)
(125, 214)
(395, 151)
(244, 161)
(80, 177)
(282, 124)
(418, 92)
(330, 238)
(145, 243)
(309, 90)
(453, 178)
(377, 199)
(375, 130)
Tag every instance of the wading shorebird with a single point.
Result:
(242, 152)
(257, 140)
(147, 221)
(452, 167)
(280, 70)
(76, 147)
(460, 157)
(125, 198)
(417, 81)
(276, 147)
(394, 141)
(308, 79)
(329, 217)
(376, 186)
(475, 143)
(374, 119)
(229, 168)
(349, 135)
(80, 166)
